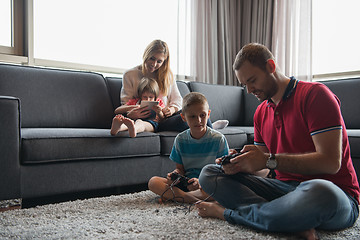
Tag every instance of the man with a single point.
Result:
(301, 137)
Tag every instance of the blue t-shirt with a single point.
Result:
(194, 154)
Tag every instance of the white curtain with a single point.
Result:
(220, 29)
(291, 43)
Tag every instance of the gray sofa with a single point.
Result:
(55, 138)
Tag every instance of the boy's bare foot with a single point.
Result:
(210, 209)
(116, 124)
(309, 234)
(131, 126)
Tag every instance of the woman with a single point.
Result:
(156, 65)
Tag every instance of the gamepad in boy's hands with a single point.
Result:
(226, 159)
(182, 179)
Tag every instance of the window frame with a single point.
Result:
(17, 26)
(22, 51)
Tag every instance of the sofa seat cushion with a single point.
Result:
(249, 130)
(354, 139)
(43, 145)
(235, 136)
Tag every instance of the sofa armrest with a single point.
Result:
(9, 148)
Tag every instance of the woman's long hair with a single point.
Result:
(164, 76)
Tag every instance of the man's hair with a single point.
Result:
(148, 85)
(192, 99)
(257, 54)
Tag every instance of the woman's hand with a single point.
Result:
(168, 111)
(138, 112)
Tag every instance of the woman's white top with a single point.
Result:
(131, 80)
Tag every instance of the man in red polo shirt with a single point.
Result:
(300, 138)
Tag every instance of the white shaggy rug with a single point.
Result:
(129, 216)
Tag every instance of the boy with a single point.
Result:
(192, 150)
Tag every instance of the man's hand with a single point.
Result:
(194, 184)
(251, 161)
(231, 151)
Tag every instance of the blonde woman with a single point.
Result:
(156, 65)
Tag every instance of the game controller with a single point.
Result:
(226, 159)
(182, 179)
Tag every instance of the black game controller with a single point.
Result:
(226, 159)
(182, 179)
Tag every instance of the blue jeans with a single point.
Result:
(277, 206)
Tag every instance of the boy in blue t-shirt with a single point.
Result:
(192, 150)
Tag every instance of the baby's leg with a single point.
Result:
(117, 124)
(143, 126)
(129, 123)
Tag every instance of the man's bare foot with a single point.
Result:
(309, 234)
(131, 126)
(116, 124)
(210, 209)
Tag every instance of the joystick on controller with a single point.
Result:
(226, 159)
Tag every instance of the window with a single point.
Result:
(11, 31)
(5, 23)
(336, 47)
(111, 33)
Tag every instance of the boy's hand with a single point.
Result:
(158, 111)
(157, 108)
(170, 173)
(194, 184)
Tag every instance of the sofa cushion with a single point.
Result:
(250, 105)
(167, 140)
(249, 130)
(354, 140)
(235, 136)
(346, 90)
(225, 101)
(57, 98)
(44, 145)
(114, 85)
(183, 87)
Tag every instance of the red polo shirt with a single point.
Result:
(307, 108)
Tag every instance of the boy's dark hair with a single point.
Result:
(193, 98)
(148, 85)
(257, 54)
